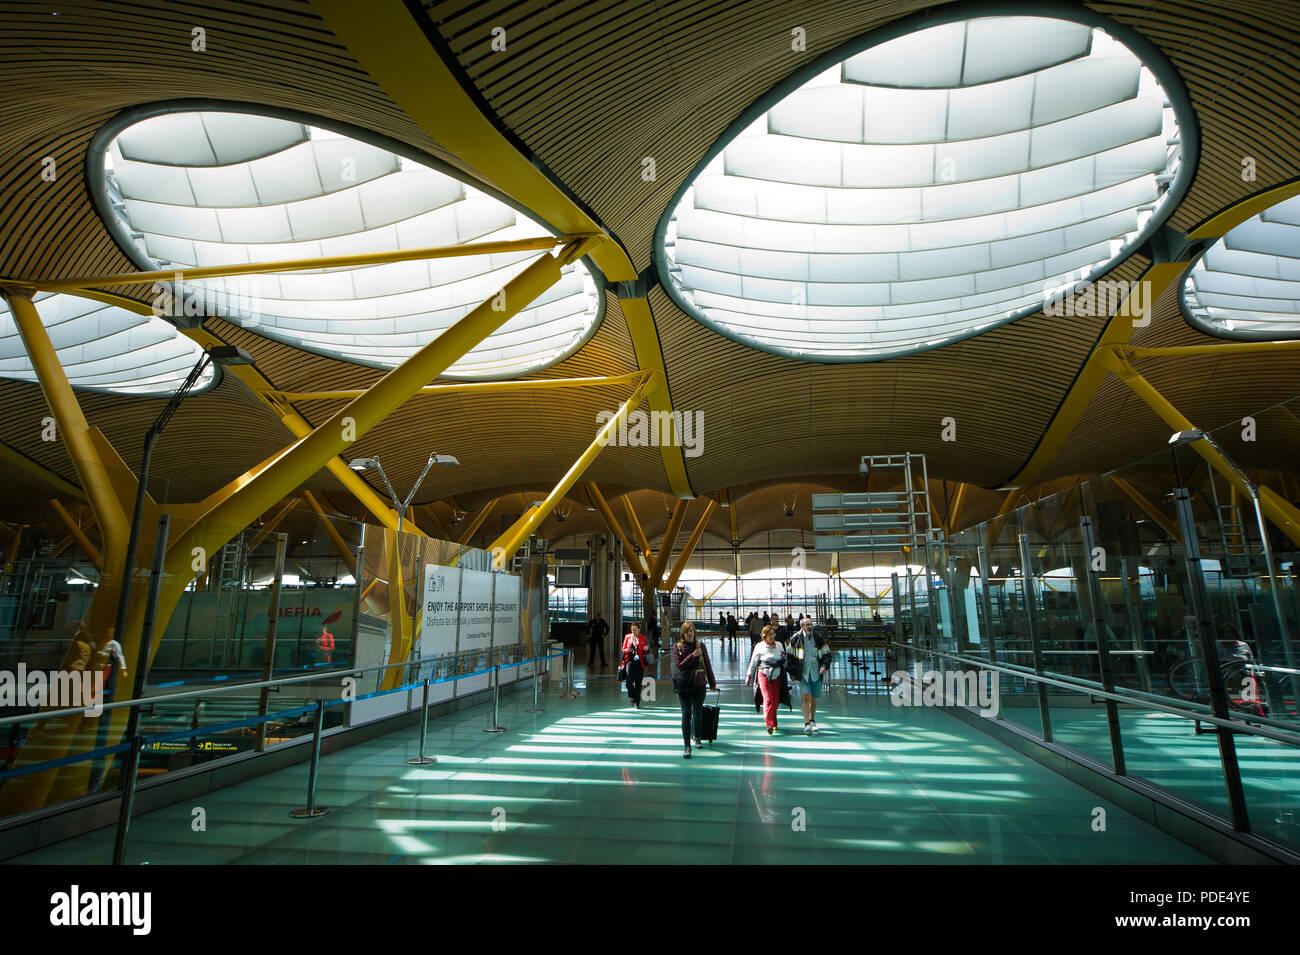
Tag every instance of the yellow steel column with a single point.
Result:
(999, 520)
(100, 487)
(384, 38)
(670, 539)
(442, 528)
(1276, 508)
(468, 533)
(635, 563)
(504, 547)
(1118, 330)
(399, 649)
(954, 508)
(79, 535)
(1153, 512)
(309, 453)
(188, 554)
(691, 543)
(345, 552)
(265, 530)
(638, 533)
(42, 473)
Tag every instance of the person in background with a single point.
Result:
(755, 630)
(832, 625)
(691, 667)
(810, 660)
(768, 662)
(325, 646)
(789, 623)
(731, 628)
(779, 628)
(722, 629)
(597, 628)
(634, 651)
(875, 618)
(767, 621)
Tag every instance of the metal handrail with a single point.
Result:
(1156, 702)
(212, 691)
(261, 718)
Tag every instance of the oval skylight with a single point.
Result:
(215, 188)
(104, 348)
(1247, 284)
(929, 188)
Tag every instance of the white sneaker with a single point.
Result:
(807, 729)
(814, 727)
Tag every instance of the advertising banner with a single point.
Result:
(475, 627)
(505, 620)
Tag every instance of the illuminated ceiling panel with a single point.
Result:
(931, 187)
(197, 189)
(1247, 285)
(104, 348)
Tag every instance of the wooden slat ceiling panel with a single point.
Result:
(593, 92)
(591, 89)
(213, 438)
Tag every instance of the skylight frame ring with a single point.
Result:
(1147, 53)
(1184, 280)
(97, 188)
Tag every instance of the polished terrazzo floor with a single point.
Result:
(592, 780)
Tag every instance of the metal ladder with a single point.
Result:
(230, 565)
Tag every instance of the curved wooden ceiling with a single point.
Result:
(590, 89)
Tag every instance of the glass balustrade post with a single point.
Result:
(1210, 659)
(1035, 639)
(1088, 578)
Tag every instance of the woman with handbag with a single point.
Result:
(632, 665)
(768, 661)
(692, 679)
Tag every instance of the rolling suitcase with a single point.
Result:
(709, 725)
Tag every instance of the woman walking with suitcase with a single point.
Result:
(692, 679)
(768, 661)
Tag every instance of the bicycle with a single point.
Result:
(1250, 687)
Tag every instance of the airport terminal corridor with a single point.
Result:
(593, 780)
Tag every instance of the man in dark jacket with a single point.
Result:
(809, 661)
(597, 629)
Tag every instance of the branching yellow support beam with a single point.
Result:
(442, 528)
(735, 520)
(476, 387)
(504, 547)
(100, 484)
(351, 422)
(1153, 512)
(468, 533)
(78, 534)
(1276, 508)
(638, 533)
(709, 596)
(387, 41)
(340, 545)
(670, 539)
(56, 483)
(691, 543)
(539, 244)
(637, 563)
(999, 521)
(265, 530)
(1227, 348)
(954, 507)
(1119, 329)
(400, 647)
